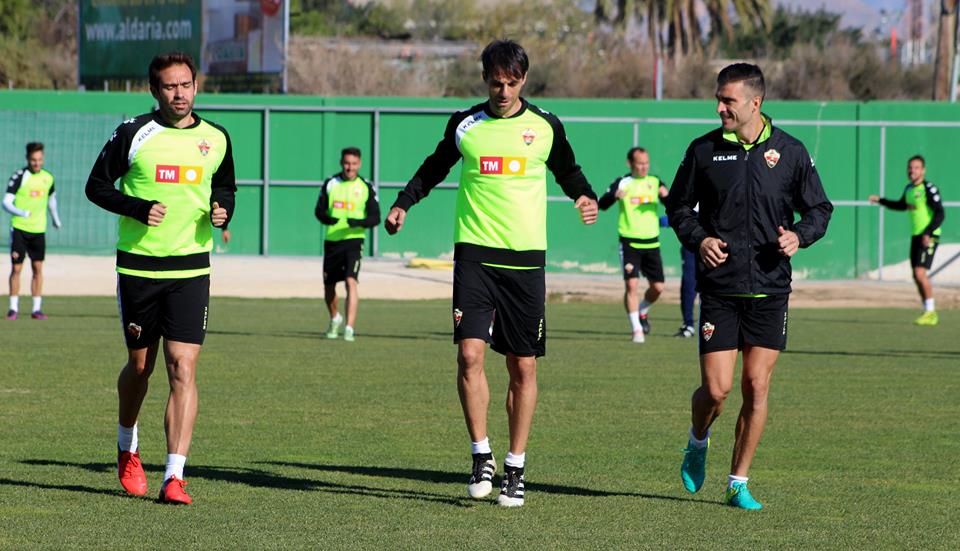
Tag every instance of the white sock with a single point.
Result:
(634, 321)
(928, 305)
(338, 318)
(348, 329)
(515, 461)
(645, 307)
(732, 478)
(175, 463)
(36, 303)
(694, 441)
(15, 303)
(127, 438)
(482, 446)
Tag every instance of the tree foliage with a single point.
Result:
(38, 43)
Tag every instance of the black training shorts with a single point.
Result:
(920, 256)
(24, 243)
(175, 309)
(511, 300)
(341, 259)
(730, 322)
(636, 261)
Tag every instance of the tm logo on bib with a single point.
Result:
(176, 174)
(510, 166)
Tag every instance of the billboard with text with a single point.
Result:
(240, 45)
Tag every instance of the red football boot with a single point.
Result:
(172, 492)
(131, 474)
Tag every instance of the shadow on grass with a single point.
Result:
(927, 354)
(444, 477)
(111, 316)
(65, 487)
(255, 478)
(320, 335)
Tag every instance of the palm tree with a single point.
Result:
(673, 26)
(947, 39)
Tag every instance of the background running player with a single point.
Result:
(921, 199)
(30, 193)
(638, 194)
(506, 145)
(348, 206)
(177, 180)
(749, 178)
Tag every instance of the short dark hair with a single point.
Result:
(162, 61)
(504, 56)
(748, 73)
(918, 157)
(33, 147)
(355, 151)
(633, 150)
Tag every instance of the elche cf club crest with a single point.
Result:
(457, 316)
(772, 157)
(528, 136)
(204, 146)
(707, 330)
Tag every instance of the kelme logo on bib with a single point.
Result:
(510, 166)
(176, 174)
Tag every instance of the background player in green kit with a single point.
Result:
(348, 206)
(638, 195)
(30, 193)
(506, 146)
(921, 199)
(176, 182)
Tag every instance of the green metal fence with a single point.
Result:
(284, 146)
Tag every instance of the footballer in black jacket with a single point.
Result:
(750, 180)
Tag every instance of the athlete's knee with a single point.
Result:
(139, 365)
(656, 287)
(181, 372)
(717, 393)
(755, 390)
(919, 274)
(16, 268)
(522, 369)
(470, 359)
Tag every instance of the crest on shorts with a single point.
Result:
(457, 316)
(204, 146)
(772, 156)
(134, 330)
(707, 330)
(528, 136)
(628, 267)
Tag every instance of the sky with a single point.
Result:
(858, 13)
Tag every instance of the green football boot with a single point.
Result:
(334, 328)
(694, 467)
(739, 496)
(928, 318)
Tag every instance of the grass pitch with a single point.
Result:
(307, 443)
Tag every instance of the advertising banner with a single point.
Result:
(239, 45)
(118, 38)
(244, 44)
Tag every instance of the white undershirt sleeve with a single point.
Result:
(8, 206)
(52, 205)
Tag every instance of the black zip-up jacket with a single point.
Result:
(744, 196)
